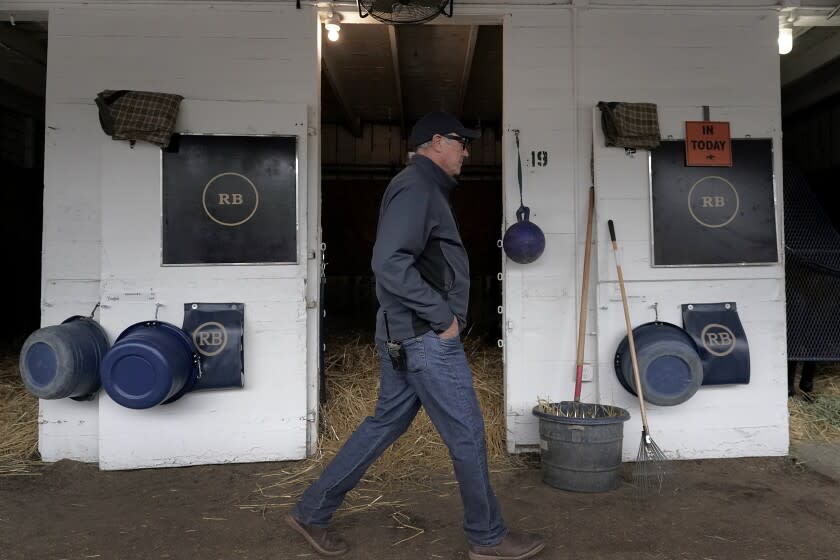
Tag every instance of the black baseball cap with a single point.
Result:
(439, 122)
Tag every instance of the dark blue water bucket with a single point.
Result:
(670, 367)
(151, 363)
(64, 360)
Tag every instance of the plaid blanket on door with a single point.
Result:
(138, 115)
(630, 125)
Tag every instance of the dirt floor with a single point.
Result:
(744, 509)
(767, 508)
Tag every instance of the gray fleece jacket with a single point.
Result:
(421, 267)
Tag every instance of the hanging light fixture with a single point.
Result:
(785, 38)
(332, 23)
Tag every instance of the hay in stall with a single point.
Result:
(419, 456)
(818, 417)
(573, 409)
(18, 420)
(352, 373)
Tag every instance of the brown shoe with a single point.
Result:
(324, 541)
(515, 546)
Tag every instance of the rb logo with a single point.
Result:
(210, 338)
(717, 339)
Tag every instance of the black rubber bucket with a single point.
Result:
(63, 360)
(582, 454)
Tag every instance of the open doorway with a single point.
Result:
(23, 77)
(377, 80)
(810, 102)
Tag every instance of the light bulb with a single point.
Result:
(332, 23)
(785, 39)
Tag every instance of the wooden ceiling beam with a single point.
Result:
(469, 55)
(395, 62)
(352, 121)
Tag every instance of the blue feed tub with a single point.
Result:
(63, 360)
(151, 363)
(670, 367)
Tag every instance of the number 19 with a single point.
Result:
(539, 159)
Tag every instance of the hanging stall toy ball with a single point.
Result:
(524, 241)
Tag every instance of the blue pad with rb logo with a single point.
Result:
(721, 342)
(217, 331)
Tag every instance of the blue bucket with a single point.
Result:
(151, 363)
(63, 360)
(670, 367)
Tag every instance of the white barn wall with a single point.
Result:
(731, 65)
(249, 69)
(539, 298)
(70, 261)
(680, 60)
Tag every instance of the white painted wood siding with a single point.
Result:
(242, 70)
(732, 66)
(539, 298)
(680, 60)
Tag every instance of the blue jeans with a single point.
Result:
(438, 378)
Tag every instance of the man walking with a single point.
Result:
(422, 284)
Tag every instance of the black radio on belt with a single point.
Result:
(395, 349)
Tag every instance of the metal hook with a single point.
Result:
(656, 310)
(157, 308)
(95, 307)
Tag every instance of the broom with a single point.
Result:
(649, 470)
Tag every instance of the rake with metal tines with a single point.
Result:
(650, 469)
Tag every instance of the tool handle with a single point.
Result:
(632, 344)
(584, 299)
(630, 340)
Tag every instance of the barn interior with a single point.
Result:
(377, 80)
(810, 79)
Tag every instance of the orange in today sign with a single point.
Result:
(707, 143)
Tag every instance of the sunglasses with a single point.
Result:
(465, 142)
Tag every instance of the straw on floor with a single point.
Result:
(419, 456)
(818, 419)
(18, 420)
